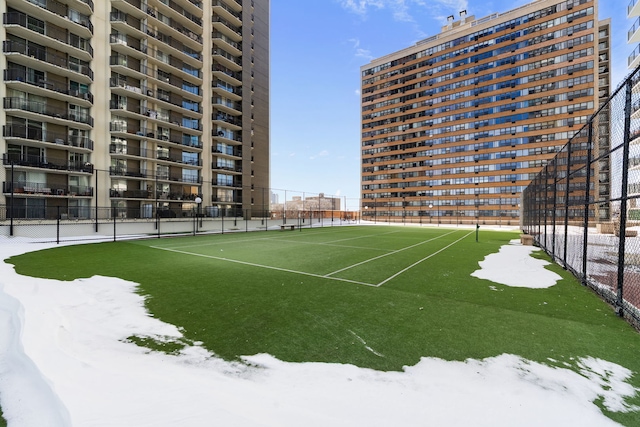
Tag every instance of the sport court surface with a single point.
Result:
(341, 254)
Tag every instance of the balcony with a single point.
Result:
(226, 75)
(38, 188)
(233, 170)
(130, 194)
(32, 34)
(126, 151)
(633, 9)
(633, 35)
(232, 13)
(43, 60)
(226, 59)
(61, 16)
(35, 110)
(23, 160)
(16, 132)
(120, 129)
(18, 79)
(227, 28)
(227, 120)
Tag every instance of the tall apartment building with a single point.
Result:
(633, 35)
(134, 105)
(456, 126)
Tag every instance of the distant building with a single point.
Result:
(457, 125)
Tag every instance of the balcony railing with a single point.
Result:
(76, 17)
(44, 163)
(180, 139)
(236, 75)
(22, 104)
(133, 151)
(21, 187)
(151, 174)
(176, 82)
(58, 138)
(10, 46)
(22, 76)
(21, 19)
(227, 118)
(227, 8)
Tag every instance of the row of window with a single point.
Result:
(459, 170)
(467, 38)
(474, 191)
(476, 69)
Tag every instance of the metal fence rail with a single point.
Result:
(582, 208)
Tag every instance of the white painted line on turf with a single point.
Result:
(387, 254)
(262, 266)
(364, 343)
(337, 246)
(284, 239)
(423, 259)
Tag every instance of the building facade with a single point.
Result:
(633, 35)
(136, 106)
(456, 126)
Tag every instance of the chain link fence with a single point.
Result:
(583, 209)
(277, 210)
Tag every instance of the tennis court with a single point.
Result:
(369, 256)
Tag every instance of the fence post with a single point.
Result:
(546, 206)
(623, 198)
(555, 207)
(566, 204)
(222, 217)
(12, 202)
(96, 191)
(57, 225)
(115, 214)
(586, 201)
(539, 200)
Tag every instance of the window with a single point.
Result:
(190, 175)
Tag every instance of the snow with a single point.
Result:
(514, 266)
(65, 361)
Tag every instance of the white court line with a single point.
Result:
(282, 239)
(359, 237)
(337, 246)
(387, 254)
(423, 259)
(263, 266)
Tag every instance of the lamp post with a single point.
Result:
(404, 211)
(198, 203)
(430, 212)
(375, 213)
(12, 201)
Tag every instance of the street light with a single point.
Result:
(198, 203)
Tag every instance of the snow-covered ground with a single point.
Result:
(64, 362)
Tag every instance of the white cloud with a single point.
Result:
(401, 9)
(364, 53)
(323, 153)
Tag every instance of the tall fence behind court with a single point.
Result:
(58, 223)
(582, 208)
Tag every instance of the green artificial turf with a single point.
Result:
(433, 309)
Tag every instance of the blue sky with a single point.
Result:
(317, 49)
